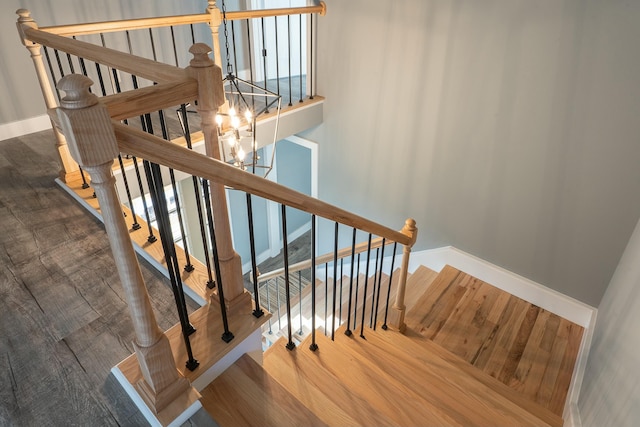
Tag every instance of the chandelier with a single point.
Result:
(237, 122)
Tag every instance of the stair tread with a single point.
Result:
(424, 353)
(245, 394)
(300, 373)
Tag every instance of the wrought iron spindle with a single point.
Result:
(156, 190)
(375, 316)
(85, 185)
(289, 56)
(335, 281)
(347, 332)
(257, 311)
(386, 307)
(51, 71)
(275, 25)
(313, 346)
(278, 303)
(264, 64)
(227, 336)
(300, 76)
(312, 63)
(366, 282)
(285, 255)
(136, 224)
(60, 68)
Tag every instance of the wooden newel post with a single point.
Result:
(92, 143)
(210, 98)
(214, 25)
(25, 21)
(396, 315)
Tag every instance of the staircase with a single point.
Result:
(472, 355)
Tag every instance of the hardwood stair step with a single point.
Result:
(446, 395)
(303, 374)
(425, 352)
(245, 394)
(529, 349)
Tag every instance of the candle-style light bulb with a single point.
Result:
(235, 122)
(249, 118)
(219, 124)
(241, 154)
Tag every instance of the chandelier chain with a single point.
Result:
(226, 38)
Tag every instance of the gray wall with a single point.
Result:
(17, 78)
(506, 128)
(611, 388)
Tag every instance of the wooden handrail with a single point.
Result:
(165, 21)
(157, 150)
(342, 253)
(136, 102)
(141, 67)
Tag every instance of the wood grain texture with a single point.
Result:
(63, 319)
(525, 347)
(246, 395)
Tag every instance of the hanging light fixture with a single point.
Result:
(236, 124)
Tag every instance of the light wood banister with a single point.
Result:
(133, 103)
(152, 148)
(141, 67)
(165, 21)
(342, 253)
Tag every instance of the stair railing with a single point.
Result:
(157, 40)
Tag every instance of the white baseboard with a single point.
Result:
(535, 293)
(24, 127)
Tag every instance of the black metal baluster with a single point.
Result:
(311, 61)
(347, 332)
(51, 71)
(85, 185)
(264, 64)
(235, 51)
(375, 316)
(60, 68)
(355, 305)
(196, 188)
(156, 190)
(386, 309)
(275, 19)
(313, 346)
(193, 36)
(253, 100)
(300, 58)
(335, 281)
(71, 67)
(227, 336)
(285, 254)
(257, 311)
(366, 282)
(376, 285)
(289, 51)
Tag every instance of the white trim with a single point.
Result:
(144, 409)
(535, 293)
(313, 147)
(24, 127)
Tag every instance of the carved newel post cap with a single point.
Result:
(77, 95)
(200, 52)
(24, 15)
(85, 123)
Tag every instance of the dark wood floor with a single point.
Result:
(63, 318)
